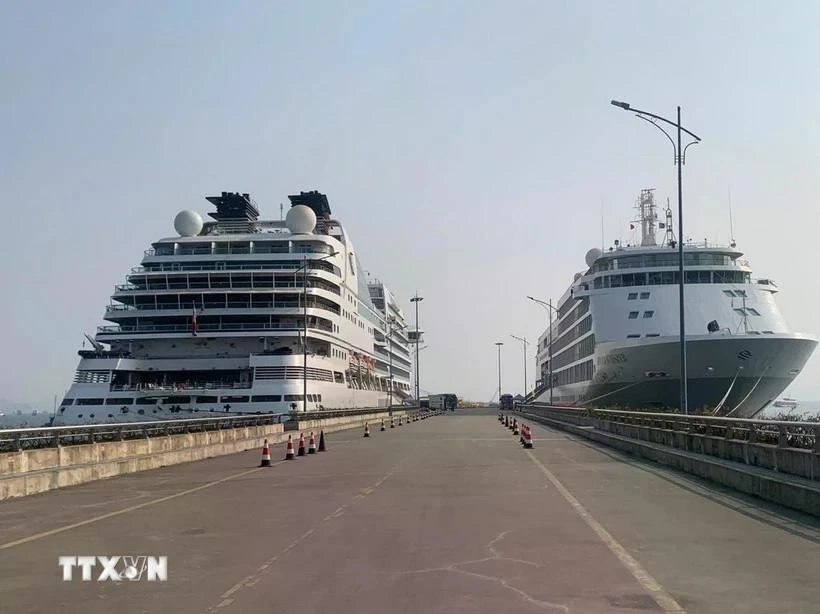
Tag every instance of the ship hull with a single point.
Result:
(737, 376)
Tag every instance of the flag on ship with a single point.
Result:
(194, 326)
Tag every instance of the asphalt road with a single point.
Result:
(445, 515)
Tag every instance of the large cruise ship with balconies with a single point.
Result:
(615, 338)
(242, 315)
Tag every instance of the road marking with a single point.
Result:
(666, 602)
(253, 578)
(126, 510)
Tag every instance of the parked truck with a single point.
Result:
(445, 401)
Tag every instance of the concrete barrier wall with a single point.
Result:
(794, 492)
(32, 471)
(335, 424)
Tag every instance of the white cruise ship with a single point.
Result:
(615, 338)
(237, 316)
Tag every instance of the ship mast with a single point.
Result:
(649, 217)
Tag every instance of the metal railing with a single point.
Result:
(204, 327)
(783, 434)
(779, 433)
(12, 440)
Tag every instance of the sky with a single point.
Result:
(469, 148)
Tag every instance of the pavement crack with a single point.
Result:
(496, 556)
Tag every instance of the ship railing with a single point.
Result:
(221, 248)
(205, 327)
(159, 285)
(182, 387)
(231, 305)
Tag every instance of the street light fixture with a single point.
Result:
(417, 299)
(525, 343)
(548, 306)
(304, 267)
(499, 344)
(680, 160)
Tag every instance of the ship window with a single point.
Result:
(146, 401)
(768, 332)
(652, 334)
(266, 398)
(67, 402)
(229, 399)
(632, 296)
(754, 312)
(644, 295)
(119, 401)
(648, 314)
(207, 399)
(632, 336)
(633, 315)
(293, 397)
(89, 401)
(728, 293)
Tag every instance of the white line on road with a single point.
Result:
(650, 585)
(226, 597)
(126, 510)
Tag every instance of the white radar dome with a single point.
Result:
(188, 223)
(300, 220)
(592, 256)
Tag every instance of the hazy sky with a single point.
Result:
(468, 148)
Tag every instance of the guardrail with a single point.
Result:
(15, 440)
(12, 440)
(783, 434)
(786, 446)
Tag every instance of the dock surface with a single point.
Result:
(445, 515)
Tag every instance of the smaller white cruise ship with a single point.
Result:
(240, 315)
(615, 341)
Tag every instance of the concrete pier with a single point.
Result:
(447, 514)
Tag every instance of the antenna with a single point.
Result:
(731, 224)
(603, 246)
(281, 212)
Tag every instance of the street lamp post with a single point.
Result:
(417, 299)
(499, 344)
(304, 267)
(680, 160)
(524, 343)
(548, 306)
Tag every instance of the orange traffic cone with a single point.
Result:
(301, 451)
(289, 450)
(312, 444)
(265, 455)
(528, 439)
(366, 430)
(382, 429)
(392, 422)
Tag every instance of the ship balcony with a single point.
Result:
(165, 283)
(257, 307)
(103, 332)
(187, 387)
(239, 248)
